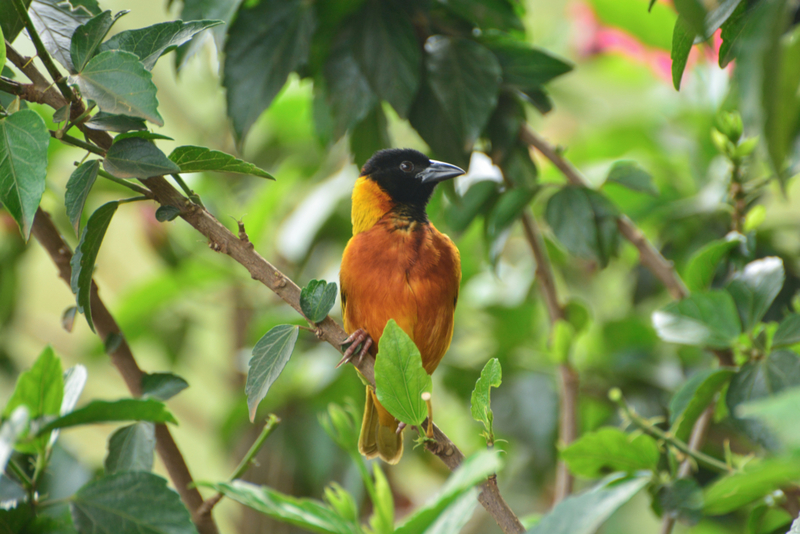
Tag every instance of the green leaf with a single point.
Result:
(382, 520)
(683, 498)
(341, 502)
(130, 448)
(167, 213)
(508, 208)
(585, 222)
(428, 117)
(137, 158)
(10, 21)
(499, 14)
(348, 93)
(473, 470)
(11, 429)
(387, 50)
(62, 114)
(631, 175)
(112, 411)
(400, 378)
(162, 386)
(754, 289)
(453, 518)
(152, 42)
(266, 42)
(465, 77)
(478, 197)
(682, 41)
(134, 502)
(55, 22)
(693, 397)
(149, 136)
(609, 450)
(82, 262)
(309, 514)
(480, 402)
(731, 30)
(779, 413)
(74, 382)
(524, 67)
(108, 122)
(758, 479)
(23, 165)
(584, 513)
(270, 355)
(40, 389)
(88, 36)
(722, 12)
(340, 424)
(205, 10)
(317, 299)
(693, 13)
(703, 264)
(369, 136)
(706, 319)
(120, 84)
(2, 48)
(199, 159)
(78, 186)
(788, 332)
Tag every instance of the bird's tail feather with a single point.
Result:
(379, 436)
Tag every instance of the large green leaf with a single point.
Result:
(348, 94)
(108, 122)
(509, 207)
(693, 397)
(788, 332)
(152, 42)
(703, 264)
(758, 479)
(584, 513)
(731, 30)
(608, 450)
(633, 176)
(130, 448)
(200, 159)
(88, 36)
(113, 411)
(266, 42)
(137, 158)
(702, 319)
(269, 358)
(130, 503)
(682, 41)
(693, 13)
(388, 52)
(23, 166)
(400, 378)
(369, 135)
(78, 186)
(481, 401)
(10, 21)
(499, 14)
(428, 117)
(465, 77)
(82, 262)
(755, 288)
(120, 84)
(524, 67)
(55, 22)
(779, 413)
(478, 197)
(317, 299)
(205, 10)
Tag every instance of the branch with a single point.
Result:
(48, 236)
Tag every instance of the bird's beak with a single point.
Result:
(439, 171)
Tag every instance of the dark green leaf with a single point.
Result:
(82, 262)
(88, 36)
(369, 136)
(120, 84)
(755, 288)
(112, 411)
(682, 41)
(23, 165)
(55, 22)
(508, 208)
(481, 401)
(693, 13)
(133, 502)
(199, 159)
(162, 386)
(382, 519)
(585, 222)
(722, 12)
(632, 176)
(400, 378)
(499, 14)
(386, 47)
(270, 355)
(524, 67)
(683, 498)
(205, 10)
(167, 213)
(584, 513)
(137, 158)
(348, 91)
(731, 30)
(130, 448)
(61, 114)
(109, 122)
(10, 21)
(13, 427)
(475, 200)
(788, 332)
(693, 397)
(455, 517)
(758, 479)
(428, 117)
(152, 42)
(78, 187)
(112, 342)
(702, 319)
(317, 299)
(779, 413)
(703, 264)
(465, 77)
(90, 6)
(149, 136)
(608, 450)
(266, 42)
(781, 102)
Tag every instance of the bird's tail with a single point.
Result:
(379, 436)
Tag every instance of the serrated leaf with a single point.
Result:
(82, 262)
(108, 122)
(702, 319)
(524, 67)
(23, 165)
(631, 175)
(55, 22)
(757, 480)
(609, 450)
(112, 411)
(788, 332)
(400, 378)
(500, 14)
(270, 355)
(13, 427)
(152, 42)
(754, 289)
(693, 397)
(200, 159)
(317, 299)
(703, 264)
(78, 186)
(162, 386)
(266, 42)
(682, 41)
(137, 158)
(120, 84)
(130, 503)
(480, 401)
(130, 448)
(88, 36)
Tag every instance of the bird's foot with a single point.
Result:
(358, 338)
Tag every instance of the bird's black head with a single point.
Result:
(406, 175)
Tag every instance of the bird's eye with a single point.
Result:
(406, 166)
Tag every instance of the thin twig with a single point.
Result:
(69, 140)
(125, 183)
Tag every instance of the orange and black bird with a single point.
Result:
(397, 266)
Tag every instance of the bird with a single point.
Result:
(397, 265)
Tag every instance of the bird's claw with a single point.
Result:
(358, 338)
